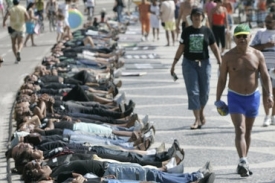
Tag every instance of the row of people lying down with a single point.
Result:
(69, 115)
(70, 160)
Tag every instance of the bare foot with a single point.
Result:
(196, 125)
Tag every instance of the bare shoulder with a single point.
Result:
(256, 52)
(229, 54)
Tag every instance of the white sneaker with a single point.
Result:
(267, 121)
(171, 164)
(177, 169)
(273, 120)
(142, 38)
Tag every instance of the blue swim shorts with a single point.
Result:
(244, 104)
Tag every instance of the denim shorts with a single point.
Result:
(197, 82)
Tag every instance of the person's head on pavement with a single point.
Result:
(270, 21)
(15, 2)
(242, 35)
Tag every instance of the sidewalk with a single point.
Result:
(165, 101)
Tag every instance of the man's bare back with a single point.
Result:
(185, 10)
(243, 69)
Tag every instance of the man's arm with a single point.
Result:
(222, 77)
(264, 46)
(5, 18)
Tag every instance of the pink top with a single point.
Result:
(209, 6)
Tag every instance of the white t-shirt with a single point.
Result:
(167, 9)
(90, 3)
(264, 36)
(65, 10)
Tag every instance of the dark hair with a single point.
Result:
(15, 2)
(21, 160)
(30, 5)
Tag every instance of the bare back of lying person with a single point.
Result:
(243, 64)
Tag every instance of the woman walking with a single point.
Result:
(144, 18)
(219, 23)
(30, 24)
(196, 67)
(154, 19)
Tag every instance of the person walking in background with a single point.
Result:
(2, 8)
(177, 12)
(185, 10)
(60, 26)
(30, 24)
(264, 41)
(51, 9)
(90, 6)
(18, 17)
(261, 7)
(196, 66)
(39, 4)
(208, 6)
(243, 64)
(154, 19)
(218, 22)
(64, 9)
(144, 18)
(119, 5)
(230, 10)
(167, 15)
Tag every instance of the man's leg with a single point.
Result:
(173, 37)
(240, 127)
(13, 43)
(19, 46)
(249, 124)
(167, 37)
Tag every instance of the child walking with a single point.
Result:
(60, 26)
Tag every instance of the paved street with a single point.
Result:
(164, 100)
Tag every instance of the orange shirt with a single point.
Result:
(144, 10)
(218, 19)
(262, 6)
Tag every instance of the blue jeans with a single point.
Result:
(119, 13)
(164, 177)
(134, 171)
(131, 171)
(197, 81)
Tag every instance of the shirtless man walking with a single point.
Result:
(185, 10)
(243, 64)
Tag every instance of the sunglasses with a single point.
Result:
(244, 36)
